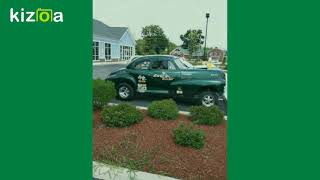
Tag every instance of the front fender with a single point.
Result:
(193, 87)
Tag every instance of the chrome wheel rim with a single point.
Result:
(208, 100)
(124, 92)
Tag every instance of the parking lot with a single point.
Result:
(102, 71)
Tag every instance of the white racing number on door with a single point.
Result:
(142, 84)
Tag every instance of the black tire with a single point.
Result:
(205, 99)
(125, 91)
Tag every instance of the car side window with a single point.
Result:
(162, 65)
(142, 65)
(171, 66)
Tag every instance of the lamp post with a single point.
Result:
(205, 40)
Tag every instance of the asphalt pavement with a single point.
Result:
(102, 71)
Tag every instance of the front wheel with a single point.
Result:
(125, 91)
(208, 99)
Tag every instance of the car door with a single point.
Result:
(162, 73)
(139, 70)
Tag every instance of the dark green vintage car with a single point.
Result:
(170, 76)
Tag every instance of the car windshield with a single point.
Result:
(182, 64)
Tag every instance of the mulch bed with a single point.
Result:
(176, 161)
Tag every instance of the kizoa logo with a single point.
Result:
(41, 15)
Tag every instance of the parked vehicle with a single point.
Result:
(133, 58)
(209, 65)
(168, 75)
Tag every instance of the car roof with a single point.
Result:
(150, 58)
(158, 55)
(153, 57)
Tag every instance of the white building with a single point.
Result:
(111, 43)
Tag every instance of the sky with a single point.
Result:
(175, 17)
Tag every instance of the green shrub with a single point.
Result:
(187, 136)
(164, 109)
(206, 115)
(122, 115)
(103, 92)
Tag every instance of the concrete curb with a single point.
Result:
(145, 108)
(108, 172)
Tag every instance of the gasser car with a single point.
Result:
(169, 75)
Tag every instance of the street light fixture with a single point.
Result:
(205, 40)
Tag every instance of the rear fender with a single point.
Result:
(125, 79)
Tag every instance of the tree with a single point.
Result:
(171, 47)
(140, 46)
(155, 40)
(192, 40)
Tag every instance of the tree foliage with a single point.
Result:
(192, 40)
(140, 46)
(171, 47)
(155, 41)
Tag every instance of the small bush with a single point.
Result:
(164, 109)
(187, 136)
(122, 115)
(206, 115)
(103, 92)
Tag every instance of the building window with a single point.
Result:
(95, 50)
(107, 51)
(121, 53)
(125, 52)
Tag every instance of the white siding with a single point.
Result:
(101, 50)
(115, 51)
(126, 40)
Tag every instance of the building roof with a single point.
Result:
(198, 52)
(101, 29)
(216, 49)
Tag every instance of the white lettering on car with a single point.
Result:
(142, 84)
(179, 90)
(164, 76)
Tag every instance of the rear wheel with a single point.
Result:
(208, 99)
(125, 91)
